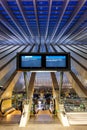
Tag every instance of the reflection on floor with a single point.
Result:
(12, 118)
(44, 117)
(51, 124)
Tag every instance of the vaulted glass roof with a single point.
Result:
(43, 21)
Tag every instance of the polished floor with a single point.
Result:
(12, 118)
(44, 120)
(44, 117)
(42, 127)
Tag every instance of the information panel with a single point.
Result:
(43, 61)
(56, 61)
(30, 61)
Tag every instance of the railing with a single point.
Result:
(8, 108)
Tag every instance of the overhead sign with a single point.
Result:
(43, 61)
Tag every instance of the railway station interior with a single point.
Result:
(44, 100)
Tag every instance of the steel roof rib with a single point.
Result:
(5, 6)
(7, 25)
(5, 38)
(77, 9)
(48, 19)
(3, 29)
(24, 17)
(77, 24)
(4, 35)
(61, 15)
(81, 36)
(37, 21)
(43, 22)
(75, 35)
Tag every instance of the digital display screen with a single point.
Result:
(56, 61)
(30, 61)
(43, 62)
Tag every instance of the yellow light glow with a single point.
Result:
(8, 116)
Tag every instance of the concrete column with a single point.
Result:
(27, 107)
(31, 85)
(60, 85)
(59, 107)
(26, 85)
(54, 80)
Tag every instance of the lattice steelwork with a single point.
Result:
(43, 21)
(43, 26)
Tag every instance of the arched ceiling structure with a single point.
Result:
(43, 26)
(43, 22)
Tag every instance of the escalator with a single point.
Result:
(11, 118)
(44, 117)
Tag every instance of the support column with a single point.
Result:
(26, 85)
(60, 85)
(31, 85)
(27, 107)
(54, 80)
(55, 92)
(59, 107)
